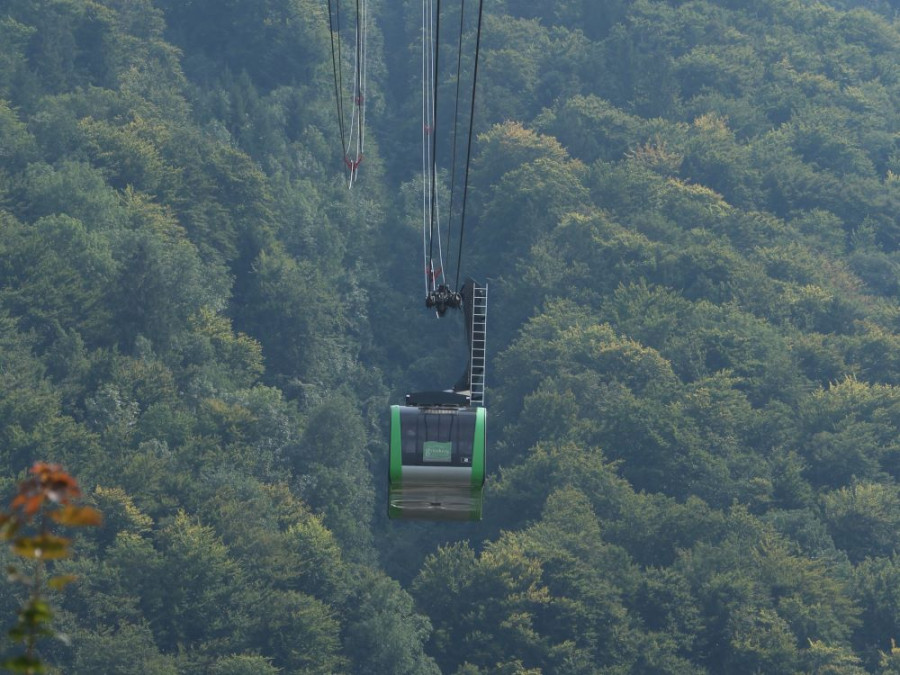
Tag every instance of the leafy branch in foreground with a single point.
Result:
(44, 501)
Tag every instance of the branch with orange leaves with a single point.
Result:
(45, 501)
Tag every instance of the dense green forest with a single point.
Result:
(689, 216)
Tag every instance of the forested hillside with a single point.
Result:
(689, 216)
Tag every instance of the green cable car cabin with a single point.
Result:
(437, 459)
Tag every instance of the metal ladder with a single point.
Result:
(479, 344)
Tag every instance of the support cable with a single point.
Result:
(353, 135)
(362, 93)
(436, 44)
(462, 225)
(426, 122)
(357, 124)
(352, 131)
(459, 49)
(334, 17)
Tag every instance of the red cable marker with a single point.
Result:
(353, 164)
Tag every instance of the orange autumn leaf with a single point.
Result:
(52, 481)
(29, 502)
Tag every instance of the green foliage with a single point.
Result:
(60, 276)
(300, 632)
(298, 317)
(244, 664)
(761, 600)
(194, 576)
(128, 649)
(863, 518)
(276, 36)
(384, 633)
(332, 462)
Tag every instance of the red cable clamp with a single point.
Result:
(353, 164)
